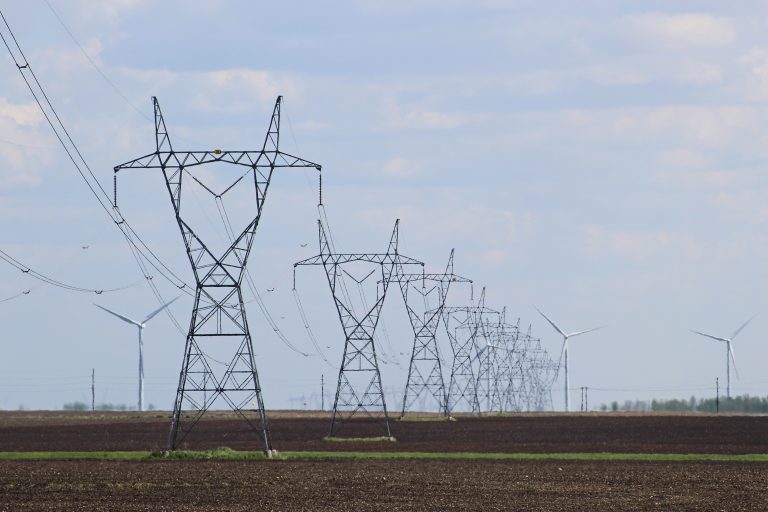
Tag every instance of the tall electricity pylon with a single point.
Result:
(504, 351)
(359, 386)
(218, 315)
(463, 325)
(425, 372)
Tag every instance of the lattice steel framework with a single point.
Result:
(541, 374)
(531, 375)
(218, 314)
(359, 388)
(425, 372)
(463, 324)
(503, 351)
(486, 359)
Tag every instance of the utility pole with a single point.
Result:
(582, 398)
(717, 394)
(218, 315)
(322, 392)
(93, 389)
(586, 399)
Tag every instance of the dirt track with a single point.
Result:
(526, 433)
(379, 485)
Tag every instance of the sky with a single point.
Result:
(604, 161)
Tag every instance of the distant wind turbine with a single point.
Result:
(730, 359)
(141, 326)
(564, 352)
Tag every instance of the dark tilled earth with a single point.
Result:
(208, 485)
(730, 434)
(381, 485)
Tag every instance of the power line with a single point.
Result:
(142, 254)
(54, 282)
(16, 296)
(96, 67)
(249, 281)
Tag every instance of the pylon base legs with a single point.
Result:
(201, 388)
(359, 409)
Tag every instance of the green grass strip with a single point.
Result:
(651, 457)
(228, 454)
(380, 439)
(74, 455)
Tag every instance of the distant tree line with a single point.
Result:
(82, 406)
(741, 403)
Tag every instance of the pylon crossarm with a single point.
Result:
(453, 278)
(340, 259)
(186, 159)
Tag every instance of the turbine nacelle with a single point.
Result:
(731, 357)
(564, 351)
(141, 325)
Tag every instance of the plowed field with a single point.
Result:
(56, 431)
(393, 485)
(378, 485)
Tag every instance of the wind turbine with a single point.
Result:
(730, 359)
(141, 326)
(564, 353)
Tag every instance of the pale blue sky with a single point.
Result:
(605, 161)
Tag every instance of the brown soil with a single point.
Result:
(62, 431)
(381, 485)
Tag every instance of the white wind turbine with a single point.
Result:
(564, 353)
(730, 359)
(141, 326)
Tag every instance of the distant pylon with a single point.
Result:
(463, 325)
(425, 372)
(218, 315)
(359, 388)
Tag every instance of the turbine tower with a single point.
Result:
(141, 325)
(730, 359)
(564, 352)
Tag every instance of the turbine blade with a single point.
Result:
(118, 315)
(710, 336)
(550, 321)
(155, 312)
(585, 332)
(560, 361)
(733, 361)
(742, 327)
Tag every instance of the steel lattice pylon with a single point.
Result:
(425, 373)
(359, 386)
(218, 315)
(463, 325)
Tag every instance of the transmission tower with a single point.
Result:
(486, 355)
(425, 372)
(359, 388)
(540, 372)
(463, 325)
(502, 352)
(218, 316)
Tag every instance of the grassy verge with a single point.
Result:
(228, 454)
(74, 455)
(650, 457)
